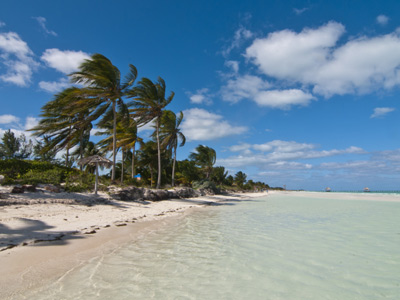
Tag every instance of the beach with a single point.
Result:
(44, 234)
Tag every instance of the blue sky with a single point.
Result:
(295, 93)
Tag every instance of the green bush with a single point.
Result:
(54, 176)
(205, 184)
(35, 172)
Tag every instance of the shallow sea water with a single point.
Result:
(278, 247)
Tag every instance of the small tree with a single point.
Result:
(42, 150)
(219, 175)
(240, 179)
(15, 147)
(205, 158)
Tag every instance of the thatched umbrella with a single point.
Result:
(96, 160)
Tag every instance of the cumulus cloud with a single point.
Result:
(313, 58)
(64, 61)
(201, 96)
(30, 122)
(200, 124)
(54, 86)
(243, 87)
(258, 90)
(15, 125)
(294, 56)
(42, 23)
(283, 99)
(17, 58)
(8, 119)
(382, 20)
(382, 111)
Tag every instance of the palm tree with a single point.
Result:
(103, 89)
(205, 158)
(148, 104)
(219, 175)
(170, 134)
(146, 156)
(126, 139)
(240, 179)
(62, 124)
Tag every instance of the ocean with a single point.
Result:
(284, 246)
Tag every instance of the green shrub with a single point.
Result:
(53, 176)
(205, 184)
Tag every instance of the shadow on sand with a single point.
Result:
(51, 198)
(32, 232)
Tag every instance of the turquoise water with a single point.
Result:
(279, 247)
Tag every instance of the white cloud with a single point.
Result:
(313, 58)
(54, 86)
(243, 87)
(294, 56)
(14, 124)
(240, 148)
(283, 98)
(278, 153)
(30, 122)
(8, 119)
(256, 89)
(200, 124)
(234, 65)
(382, 20)
(283, 146)
(64, 61)
(381, 111)
(299, 11)
(240, 36)
(17, 57)
(201, 96)
(42, 23)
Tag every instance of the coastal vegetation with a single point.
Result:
(103, 103)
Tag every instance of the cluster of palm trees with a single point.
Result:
(118, 105)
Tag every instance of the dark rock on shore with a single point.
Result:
(139, 194)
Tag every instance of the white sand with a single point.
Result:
(58, 231)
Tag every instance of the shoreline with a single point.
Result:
(42, 241)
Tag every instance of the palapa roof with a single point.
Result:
(92, 160)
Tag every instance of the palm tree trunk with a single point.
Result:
(67, 157)
(96, 183)
(114, 139)
(173, 169)
(122, 167)
(159, 153)
(81, 148)
(151, 177)
(133, 162)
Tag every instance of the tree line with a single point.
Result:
(119, 106)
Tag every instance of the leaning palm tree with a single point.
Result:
(170, 134)
(103, 90)
(148, 104)
(64, 126)
(205, 158)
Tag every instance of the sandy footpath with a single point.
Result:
(58, 231)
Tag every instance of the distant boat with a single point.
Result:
(366, 190)
(328, 189)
